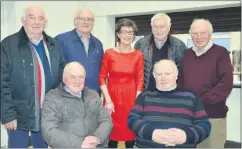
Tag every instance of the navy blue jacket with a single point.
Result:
(73, 50)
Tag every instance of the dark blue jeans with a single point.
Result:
(20, 139)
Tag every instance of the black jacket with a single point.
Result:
(177, 48)
(18, 86)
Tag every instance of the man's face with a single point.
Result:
(160, 28)
(200, 34)
(75, 79)
(34, 21)
(84, 21)
(165, 76)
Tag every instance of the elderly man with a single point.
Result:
(159, 45)
(80, 45)
(167, 116)
(207, 71)
(31, 65)
(72, 115)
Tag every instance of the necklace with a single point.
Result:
(122, 51)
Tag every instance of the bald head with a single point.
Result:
(165, 74)
(34, 21)
(73, 68)
(30, 9)
(83, 21)
(74, 77)
(166, 64)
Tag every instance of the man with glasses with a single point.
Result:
(80, 45)
(159, 45)
(207, 71)
(31, 65)
(73, 115)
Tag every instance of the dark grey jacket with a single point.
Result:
(177, 49)
(19, 81)
(67, 120)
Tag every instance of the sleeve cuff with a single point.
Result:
(190, 136)
(147, 132)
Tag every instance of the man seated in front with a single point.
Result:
(167, 116)
(72, 115)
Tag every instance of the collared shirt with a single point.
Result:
(36, 42)
(84, 41)
(209, 45)
(160, 43)
(79, 95)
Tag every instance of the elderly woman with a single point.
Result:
(123, 67)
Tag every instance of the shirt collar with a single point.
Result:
(36, 42)
(80, 35)
(209, 45)
(76, 95)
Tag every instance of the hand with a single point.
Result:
(159, 136)
(137, 93)
(90, 142)
(109, 106)
(176, 136)
(12, 125)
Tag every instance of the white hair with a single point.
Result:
(77, 12)
(24, 12)
(167, 61)
(69, 66)
(161, 16)
(210, 26)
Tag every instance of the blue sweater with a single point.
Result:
(73, 50)
(164, 110)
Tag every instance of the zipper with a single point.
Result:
(24, 68)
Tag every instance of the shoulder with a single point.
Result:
(176, 41)
(185, 93)
(146, 93)
(139, 53)
(96, 40)
(14, 38)
(64, 35)
(90, 93)
(219, 49)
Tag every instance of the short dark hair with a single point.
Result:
(125, 22)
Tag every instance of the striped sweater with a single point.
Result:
(171, 109)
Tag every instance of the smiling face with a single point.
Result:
(160, 28)
(74, 77)
(34, 21)
(200, 34)
(165, 74)
(126, 35)
(84, 21)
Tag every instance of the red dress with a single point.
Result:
(125, 74)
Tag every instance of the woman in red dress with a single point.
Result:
(122, 80)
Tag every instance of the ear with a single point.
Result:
(154, 74)
(22, 20)
(46, 23)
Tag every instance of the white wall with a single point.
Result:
(60, 19)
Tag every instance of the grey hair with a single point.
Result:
(67, 67)
(161, 16)
(24, 13)
(210, 26)
(76, 14)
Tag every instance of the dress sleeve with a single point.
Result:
(104, 69)
(139, 77)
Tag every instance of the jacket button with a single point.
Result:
(31, 64)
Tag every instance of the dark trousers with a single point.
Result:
(114, 144)
(20, 139)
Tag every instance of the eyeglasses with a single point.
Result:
(85, 19)
(124, 32)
